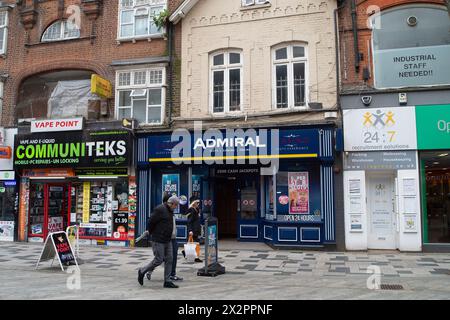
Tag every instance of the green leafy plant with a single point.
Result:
(160, 19)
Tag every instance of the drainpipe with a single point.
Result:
(171, 68)
(355, 35)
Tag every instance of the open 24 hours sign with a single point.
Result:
(380, 129)
(108, 148)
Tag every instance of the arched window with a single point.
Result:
(61, 30)
(411, 46)
(290, 84)
(226, 81)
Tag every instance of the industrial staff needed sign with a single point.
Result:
(409, 67)
(78, 149)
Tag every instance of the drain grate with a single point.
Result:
(391, 287)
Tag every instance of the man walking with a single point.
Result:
(160, 227)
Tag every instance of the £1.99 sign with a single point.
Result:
(380, 129)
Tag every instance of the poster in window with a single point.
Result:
(171, 186)
(409, 187)
(355, 205)
(298, 192)
(6, 230)
(355, 186)
(196, 186)
(410, 222)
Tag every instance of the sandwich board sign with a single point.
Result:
(58, 245)
(212, 266)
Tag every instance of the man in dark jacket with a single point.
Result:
(160, 227)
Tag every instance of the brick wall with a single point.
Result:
(94, 51)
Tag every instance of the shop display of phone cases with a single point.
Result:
(98, 200)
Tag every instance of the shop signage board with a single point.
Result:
(386, 160)
(380, 129)
(54, 125)
(57, 245)
(409, 67)
(433, 127)
(101, 86)
(7, 148)
(7, 175)
(212, 267)
(86, 149)
(224, 145)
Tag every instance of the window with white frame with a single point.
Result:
(3, 31)
(226, 81)
(141, 95)
(248, 3)
(136, 17)
(290, 83)
(61, 30)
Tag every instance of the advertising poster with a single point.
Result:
(211, 244)
(86, 201)
(196, 186)
(171, 186)
(6, 230)
(298, 193)
(63, 248)
(23, 208)
(132, 203)
(55, 224)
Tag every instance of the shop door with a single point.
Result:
(248, 208)
(226, 206)
(56, 205)
(381, 209)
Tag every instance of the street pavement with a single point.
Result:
(253, 271)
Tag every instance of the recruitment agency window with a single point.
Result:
(289, 76)
(226, 81)
(141, 95)
(411, 46)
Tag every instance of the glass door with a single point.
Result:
(248, 208)
(57, 207)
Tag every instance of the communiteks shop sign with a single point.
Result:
(409, 67)
(80, 149)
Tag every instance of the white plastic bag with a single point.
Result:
(191, 251)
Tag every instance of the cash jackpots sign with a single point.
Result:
(80, 149)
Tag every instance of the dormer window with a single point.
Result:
(61, 30)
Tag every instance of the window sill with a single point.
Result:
(58, 41)
(256, 6)
(148, 38)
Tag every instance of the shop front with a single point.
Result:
(266, 185)
(79, 177)
(433, 138)
(381, 179)
(8, 186)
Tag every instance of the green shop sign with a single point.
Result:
(85, 149)
(433, 127)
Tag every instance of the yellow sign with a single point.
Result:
(86, 201)
(101, 87)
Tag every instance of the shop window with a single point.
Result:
(61, 30)
(3, 31)
(136, 18)
(290, 76)
(411, 46)
(141, 95)
(436, 181)
(1, 100)
(226, 82)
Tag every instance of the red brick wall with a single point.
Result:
(22, 61)
(350, 79)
